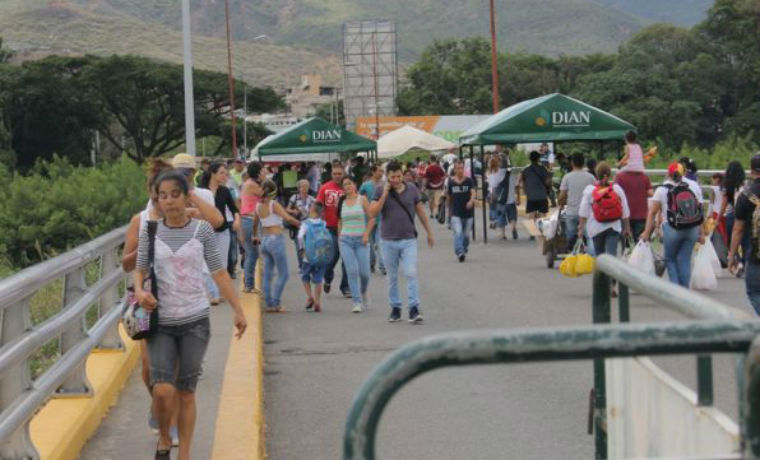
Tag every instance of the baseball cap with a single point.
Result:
(674, 168)
(183, 160)
(754, 163)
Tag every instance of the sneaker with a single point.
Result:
(174, 434)
(309, 304)
(461, 257)
(153, 423)
(395, 316)
(514, 233)
(327, 288)
(365, 300)
(357, 308)
(414, 315)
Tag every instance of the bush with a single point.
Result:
(58, 206)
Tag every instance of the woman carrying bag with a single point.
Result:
(183, 246)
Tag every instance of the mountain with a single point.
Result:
(306, 35)
(679, 12)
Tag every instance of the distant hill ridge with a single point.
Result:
(306, 35)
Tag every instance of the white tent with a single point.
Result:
(406, 138)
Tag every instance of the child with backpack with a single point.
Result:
(679, 202)
(316, 251)
(604, 212)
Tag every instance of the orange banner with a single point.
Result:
(365, 126)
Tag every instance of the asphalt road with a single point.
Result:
(315, 362)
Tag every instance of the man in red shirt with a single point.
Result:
(329, 195)
(434, 178)
(638, 189)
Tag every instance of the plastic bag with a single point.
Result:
(567, 267)
(714, 260)
(642, 258)
(584, 265)
(702, 274)
(548, 226)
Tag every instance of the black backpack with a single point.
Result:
(684, 208)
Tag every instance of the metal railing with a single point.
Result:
(720, 329)
(20, 396)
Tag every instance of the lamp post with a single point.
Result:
(230, 80)
(188, 76)
(494, 70)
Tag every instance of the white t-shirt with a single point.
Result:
(593, 227)
(494, 179)
(661, 195)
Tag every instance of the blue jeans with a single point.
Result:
(233, 254)
(401, 253)
(679, 244)
(607, 242)
(356, 259)
(375, 252)
(461, 227)
(251, 253)
(330, 269)
(752, 284)
(274, 254)
(498, 214)
(571, 235)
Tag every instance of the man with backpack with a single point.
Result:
(397, 202)
(679, 202)
(536, 181)
(316, 251)
(604, 212)
(747, 212)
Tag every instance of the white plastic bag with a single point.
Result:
(642, 258)
(702, 273)
(714, 260)
(549, 225)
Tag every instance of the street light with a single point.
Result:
(188, 75)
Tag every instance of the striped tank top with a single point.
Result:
(353, 219)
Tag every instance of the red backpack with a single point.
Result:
(606, 203)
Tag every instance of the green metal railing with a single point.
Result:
(718, 329)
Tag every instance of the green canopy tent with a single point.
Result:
(314, 136)
(551, 118)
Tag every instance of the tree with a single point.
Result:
(5, 53)
(146, 100)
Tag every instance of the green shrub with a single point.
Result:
(58, 206)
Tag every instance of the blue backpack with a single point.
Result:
(318, 244)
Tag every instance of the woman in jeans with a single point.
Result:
(250, 193)
(678, 243)
(270, 215)
(605, 235)
(214, 180)
(355, 227)
(495, 174)
(183, 247)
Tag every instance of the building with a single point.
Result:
(304, 98)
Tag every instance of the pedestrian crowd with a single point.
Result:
(200, 224)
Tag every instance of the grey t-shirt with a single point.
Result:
(574, 183)
(396, 222)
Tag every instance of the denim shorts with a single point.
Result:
(312, 273)
(176, 354)
(511, 212)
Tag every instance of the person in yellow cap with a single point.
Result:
(679, 202)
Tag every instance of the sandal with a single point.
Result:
(163, 454)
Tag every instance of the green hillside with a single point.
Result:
(306, 35)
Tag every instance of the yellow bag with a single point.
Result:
(584, 265)
(567, 267)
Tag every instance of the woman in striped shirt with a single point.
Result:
(354, 227)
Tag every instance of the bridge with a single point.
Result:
(287, 389)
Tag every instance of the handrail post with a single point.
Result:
(76, 384)
(601, 314)
(15, 322)
(704, 381)
(624, 303)
(749, 410)
(112, 339)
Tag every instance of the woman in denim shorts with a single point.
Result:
(183, 246)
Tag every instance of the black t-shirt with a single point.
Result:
(744, 207)
(223, 201)
(460, 195)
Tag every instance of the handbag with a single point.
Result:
(138, 322)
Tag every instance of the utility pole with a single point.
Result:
(245, 120)
(374, 76)
(230, 80)
(188, 73)
(494, 69)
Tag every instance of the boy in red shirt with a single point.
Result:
(329, 195)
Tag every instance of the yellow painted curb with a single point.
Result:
(62, 427)
(239, 432)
